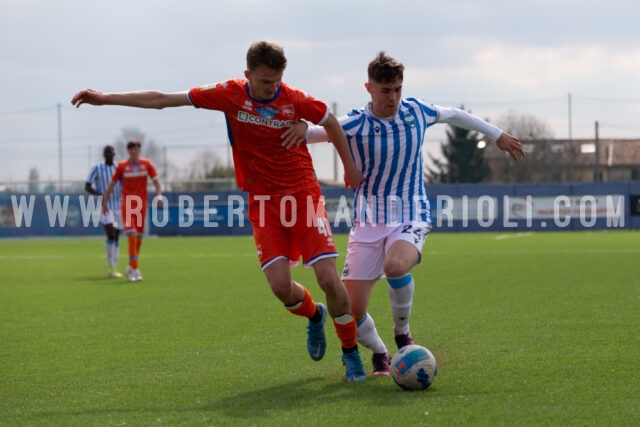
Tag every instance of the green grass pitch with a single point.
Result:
(528, 329)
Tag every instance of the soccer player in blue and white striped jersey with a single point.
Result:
(391, 208)
(100, 177)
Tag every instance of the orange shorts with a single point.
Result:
(291, 226)
(134, 214)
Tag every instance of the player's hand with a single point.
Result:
(88, 96)
(353, 179)
(294, 135)
(105, 209)
(159, 200)
(511, 145)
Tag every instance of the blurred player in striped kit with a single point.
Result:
(97, 183)
(392, 213)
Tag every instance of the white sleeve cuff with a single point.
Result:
(462, 119)
(316, 134)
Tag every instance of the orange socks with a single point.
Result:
(345, 325)
(134, 247)
(346, 329)
(306, 308)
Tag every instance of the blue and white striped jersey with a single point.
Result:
(389, 154)
(100, 177)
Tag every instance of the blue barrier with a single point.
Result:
(462, 207)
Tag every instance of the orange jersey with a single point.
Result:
(134, 177)
(262, 165)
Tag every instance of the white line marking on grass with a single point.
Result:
(200, 255)
(513, 236)
(540, 252)
(60, 257)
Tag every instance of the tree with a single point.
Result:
(150, 150)
(207, 172)
(463, 160)
(545, 162)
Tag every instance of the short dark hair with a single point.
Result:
(266, 53)
(108, 148)
(385, 69)
(133, 143)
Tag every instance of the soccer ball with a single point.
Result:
(413, 367)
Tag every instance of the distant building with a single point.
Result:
(562, 160)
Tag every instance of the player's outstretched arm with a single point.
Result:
(139, 99)
(511, 145)
(460, 118)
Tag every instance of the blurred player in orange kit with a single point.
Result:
(286, 208)
(133, 173)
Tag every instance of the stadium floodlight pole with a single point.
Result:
(335, 152)
(164, 163)
(570, 169)
(596, 174)
(59, 147)
(570, 118)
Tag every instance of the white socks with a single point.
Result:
(368, 335)
(401, 297)
(113, 253)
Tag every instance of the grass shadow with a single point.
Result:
(299, 395)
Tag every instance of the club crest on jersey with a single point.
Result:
(410, 121)
(247, 105)
(376, 128)
(267, 112)
(287, 111)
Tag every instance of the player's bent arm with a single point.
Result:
(316, 134)
(89, 189)
(158, 187)
(139, 99)
(105, 197)
(294, 135)
(339, 140)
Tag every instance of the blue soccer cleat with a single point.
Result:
(355, 369)
(316, 340)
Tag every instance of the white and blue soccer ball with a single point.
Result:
(413, 367)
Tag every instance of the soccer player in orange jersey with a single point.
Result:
(133, 173)
(286, 208)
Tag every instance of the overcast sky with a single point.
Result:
(494, 57)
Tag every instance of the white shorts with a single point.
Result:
(369, 244)
(112, 217)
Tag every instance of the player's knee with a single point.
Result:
(327, 276)
(396, 268)
(281, 289)
(358, 312)
(328, 281)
